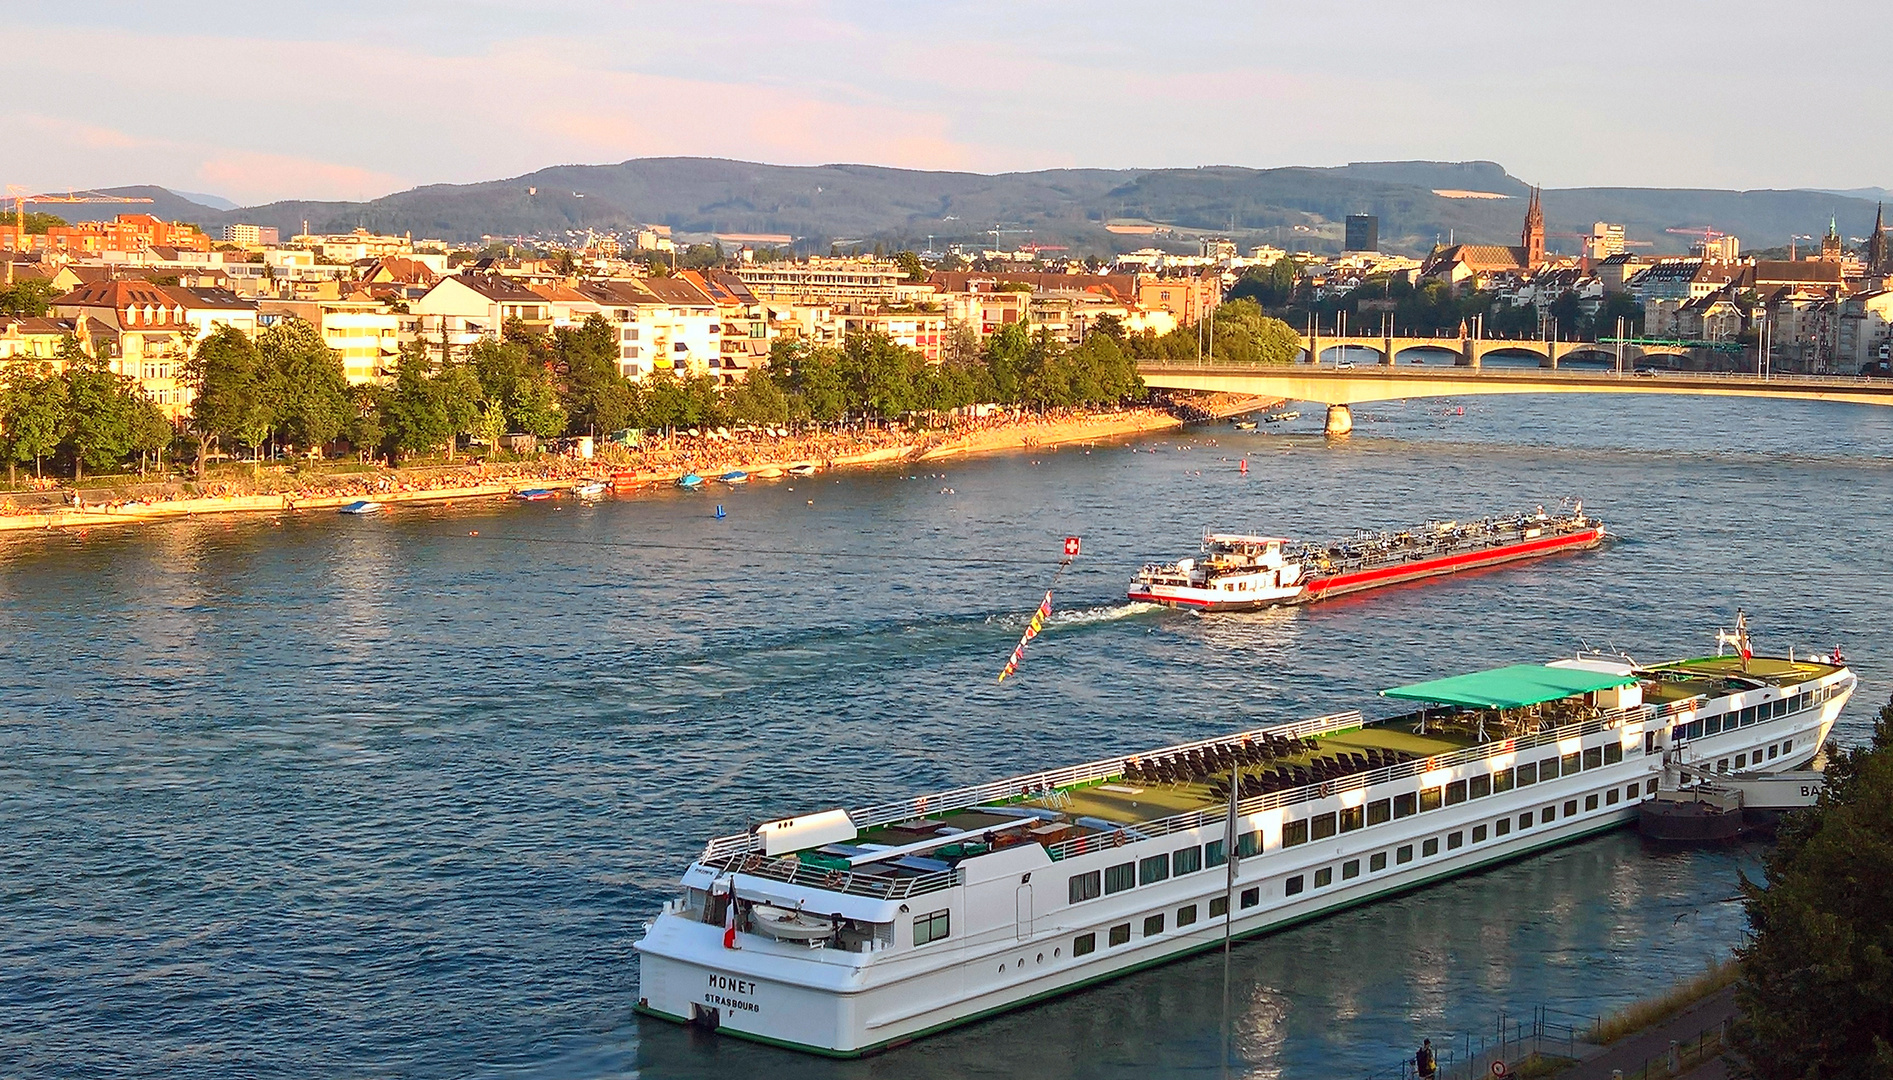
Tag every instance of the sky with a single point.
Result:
(348, 99)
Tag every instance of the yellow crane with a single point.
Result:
(20, 198)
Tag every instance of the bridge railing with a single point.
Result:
(1439, 371)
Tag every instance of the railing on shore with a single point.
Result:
(1455, 371)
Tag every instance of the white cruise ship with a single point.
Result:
(848, 931)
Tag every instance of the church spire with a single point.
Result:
(1533, 238)
(1876, 243)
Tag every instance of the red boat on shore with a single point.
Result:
(1242, 572)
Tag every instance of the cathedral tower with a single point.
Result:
(1876, 244)
(1533, 238)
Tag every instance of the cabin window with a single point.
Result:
(1321, 826)
(1787, 745)
(1251, 897)
(1218, 906)
(1548, 769)
(1594, 757)
(1741, 761)
(1153, 925)
(1429, 799)
(1478, 834)
(1187, 861)
(1771, 753)
(1403, 854)
(1152, 870)
(1712, 725)
(1377, 862)
(1120, 877)
(1086, 886)
(1380, 811)
(1570, 808)
(1527, 775)
(1293, 833)
(930, 928)
(1613, 753)
(1351, 818)
(1502, 781)
(1120, 933)
(1429, 847)
(1524, 820)
(1350, 869)
(1455, 841)
(1293, 886)
(1084, 944)
(1249, 843)
(1502, 827)
(1570, 765)
(1590, 802)
(1324, 877)
(1405, 805)
(1455, 793)
(1649, 786)
(1481, 786)
(1611, 797)
(1213, 853)
(1186, 916)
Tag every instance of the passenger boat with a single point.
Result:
(689, 480)
(842, 932)
(359, 506)
(1239, 572)
(535, 494)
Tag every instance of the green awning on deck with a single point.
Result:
(1510, 687)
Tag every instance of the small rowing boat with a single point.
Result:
(536, 494)
(803, 469)
(689, 480)
(735, 476)
(360, 506)
(591, 489)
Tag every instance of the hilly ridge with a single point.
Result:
(902, 207)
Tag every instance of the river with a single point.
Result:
(328, 796)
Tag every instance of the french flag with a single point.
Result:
(729, 920)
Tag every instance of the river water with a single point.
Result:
(324, 796)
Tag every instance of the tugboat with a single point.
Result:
(1239, 572)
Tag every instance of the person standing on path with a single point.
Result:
(1424, 1063)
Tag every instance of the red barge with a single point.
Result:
(1240, 572)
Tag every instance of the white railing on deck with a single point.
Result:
(1035, 783)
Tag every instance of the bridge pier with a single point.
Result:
(1469, 354)
(1340, 420)
(1386, 350)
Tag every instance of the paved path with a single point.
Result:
(1653, 1044)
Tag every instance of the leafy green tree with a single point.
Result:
(1008, 352)
(1271, 286)
(1244, 335)
(37, 415)
(595, 395)
(151, 431)
(758, 400)
(1109, 326)
(227, 374)
(700, 257)
(306, 393)
(414, 417)
(877, 375)
(911, 264)
(367, 431)
(39, 223)
(1816, 988)
(29, 298)
(102, 415)
(490, 426)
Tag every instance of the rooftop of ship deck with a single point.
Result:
(1710, 675)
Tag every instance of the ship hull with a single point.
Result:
(1322, 587)
(1012, 950)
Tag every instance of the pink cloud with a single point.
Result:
(249, 175)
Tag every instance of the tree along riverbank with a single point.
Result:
(663, 462)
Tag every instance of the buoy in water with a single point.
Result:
(719, 510)
(1245, 467)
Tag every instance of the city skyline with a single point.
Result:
(351, 101)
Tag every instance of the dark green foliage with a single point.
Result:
(1816, 990)
(1243, 335)
(304, 390)
(595, 395)
(29, 298)
(35, 414)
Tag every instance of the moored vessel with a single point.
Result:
(845, 931)
(1241, 572)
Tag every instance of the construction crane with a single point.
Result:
(20, 198)
(1702, 232)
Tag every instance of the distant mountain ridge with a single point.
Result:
(823, 204)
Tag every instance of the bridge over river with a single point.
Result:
(1340, 387)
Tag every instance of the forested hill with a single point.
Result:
(825, 204)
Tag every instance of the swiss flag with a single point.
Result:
(1071, 546)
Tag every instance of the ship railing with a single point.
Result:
(1609, 718)
(790, 870)
(1039, 783)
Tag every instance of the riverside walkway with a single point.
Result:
(1340, 387)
